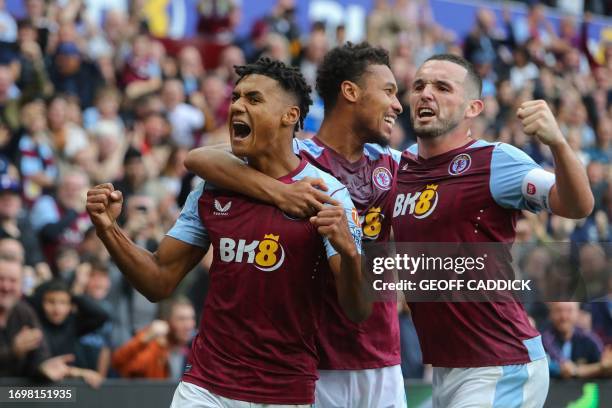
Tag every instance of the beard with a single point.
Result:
(441, 128)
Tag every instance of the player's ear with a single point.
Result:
(350, 91)
(475, 107)
(291, 116)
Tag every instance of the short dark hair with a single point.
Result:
(346, 63)
(290, 79)
(54, 285)
(472, 75)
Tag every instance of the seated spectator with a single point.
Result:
(573, 352)
(159, 351)
(23, 349)
(62, 327)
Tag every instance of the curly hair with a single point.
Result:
(290, 79)
(346, 63)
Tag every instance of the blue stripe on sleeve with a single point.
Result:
(509, 166)
(188, 227)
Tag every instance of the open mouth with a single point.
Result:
(241, 129)
(425, 113)
(390, 120)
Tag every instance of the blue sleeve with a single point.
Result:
(509, 166)
(342, 195)
(188, 227)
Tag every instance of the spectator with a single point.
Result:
(134, 174)
(601, 312)
(574, 352)
(94, 349)
(62, 326)
(62, 221)
(190, 69)
(33, 79)
(485, 42)
(160, 350)
(67, 138)
(185, 119)
(141, 73)
(8, 26)
(37, 161)
(282, 21)
(15, 223)
(23, 350)
(9, 100)
(71, 74)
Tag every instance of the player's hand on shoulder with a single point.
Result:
(104, 205)
(538, 120)
(303, 198)
(331, 222)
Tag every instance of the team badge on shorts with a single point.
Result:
(381, 177)
(459, 164)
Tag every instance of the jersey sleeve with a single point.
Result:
(188, 227)
(517, 181)
(342, 195)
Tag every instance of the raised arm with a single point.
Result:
(155, 275)
(571, 196)
(217, 165)
(332, 223)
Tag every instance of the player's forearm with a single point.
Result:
(225, 170)
(349, 285)
(571, 197)
(136, 263)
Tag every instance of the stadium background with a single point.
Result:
(133, 51)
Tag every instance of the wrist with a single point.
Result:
(348, 251)
(276, 193)
(106, 231)
(559, 143)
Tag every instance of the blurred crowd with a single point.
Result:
(85, 101)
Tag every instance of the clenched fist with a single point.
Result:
(538, 120)
(104, 205)
(331, 222)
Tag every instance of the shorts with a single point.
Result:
(188, 395)
(371, 388)
(511, 386)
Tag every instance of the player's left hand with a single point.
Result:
(538, 120)
(331, 222)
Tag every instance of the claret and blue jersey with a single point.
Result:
(470, 194)
(374, 343)
(256, 340)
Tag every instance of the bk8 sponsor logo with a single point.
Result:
(372, 223)
(266, 255)
(420, 204)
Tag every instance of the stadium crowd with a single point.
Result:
(84, 102)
